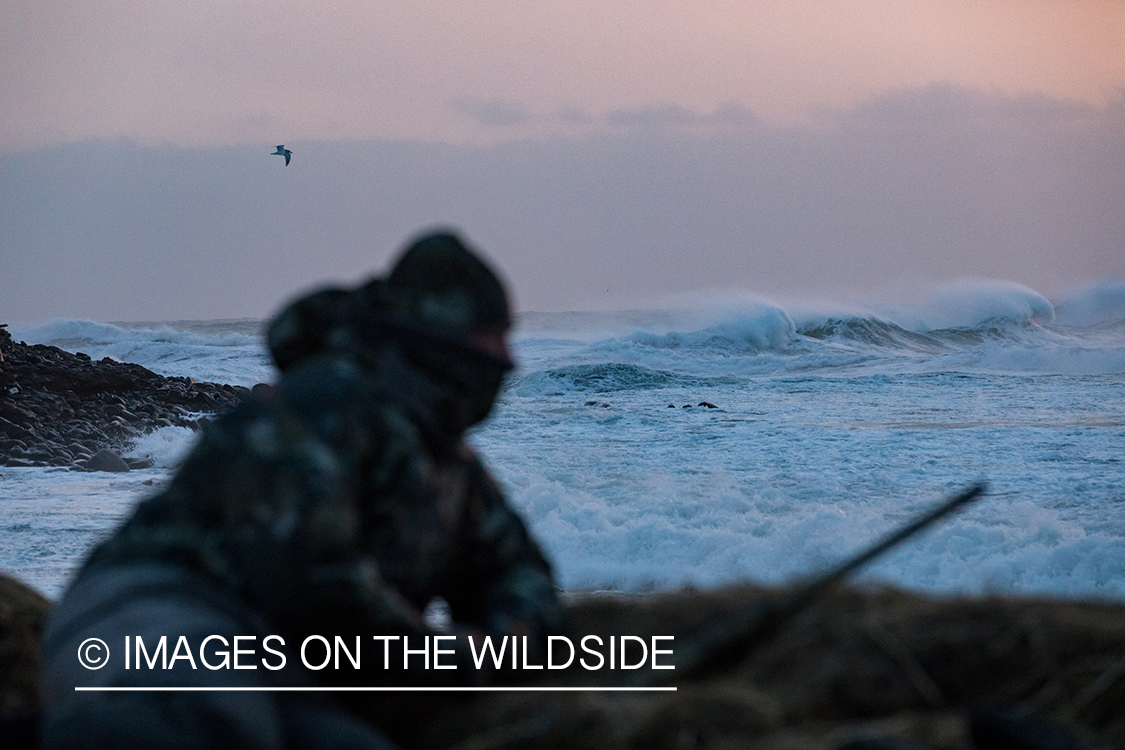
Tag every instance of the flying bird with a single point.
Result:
(282, 151)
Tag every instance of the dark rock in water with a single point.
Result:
(57, 408)
(708, 404)
(106, 460)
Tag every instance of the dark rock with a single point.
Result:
(15, 414)
(13, 430)
(708, 404)
(54, 403)
(106, 460)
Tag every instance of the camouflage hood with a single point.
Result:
(437, 293)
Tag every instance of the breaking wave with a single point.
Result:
(764, 328)
(222, 351)
(1094, 305)
(981, 304)
(970, 326)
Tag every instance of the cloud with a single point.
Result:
(653, 116)
(674, 116)
(492, 112)
(668, 201)
(573, 114)
(945, 103)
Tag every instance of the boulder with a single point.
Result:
(106, 460)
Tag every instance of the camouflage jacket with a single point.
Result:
(324, 505)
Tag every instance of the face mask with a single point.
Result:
(476, 394)
(449, 387)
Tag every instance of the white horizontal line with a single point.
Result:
(374, 689)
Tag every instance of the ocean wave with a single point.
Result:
(167, 447)
(766, 328)
(979, 304)
(1097, 304)
(215, 351)
(89, 333)
(956, 317)
(982, 326)
(607, 377)
(873, 332)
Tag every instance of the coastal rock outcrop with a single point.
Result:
(62, 409)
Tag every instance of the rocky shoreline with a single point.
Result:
(64, 409)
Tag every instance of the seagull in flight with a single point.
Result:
(282, 151)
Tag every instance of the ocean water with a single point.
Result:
(832, 425)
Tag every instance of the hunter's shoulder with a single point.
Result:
(322, 382)
(324, 407)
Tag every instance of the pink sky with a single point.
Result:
(204, 73)
(602, 151)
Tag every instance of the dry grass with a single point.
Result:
(22, 615)
(857, 664)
